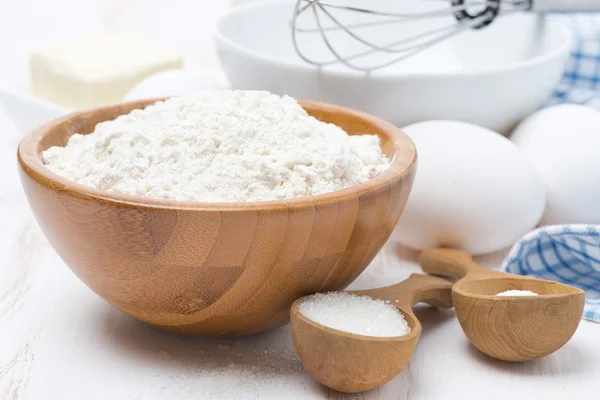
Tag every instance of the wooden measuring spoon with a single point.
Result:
(354, 363)
(511, 328)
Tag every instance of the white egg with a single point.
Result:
(474, 189)
(563, 142)
(177, 82)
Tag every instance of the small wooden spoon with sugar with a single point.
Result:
(354, 363)
(510, 328)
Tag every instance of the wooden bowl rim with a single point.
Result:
(457, 288)
(415, 332)
(30, 160)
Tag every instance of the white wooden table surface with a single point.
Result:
(58, 340)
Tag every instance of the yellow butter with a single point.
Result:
(89, 70)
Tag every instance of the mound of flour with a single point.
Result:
(220, 146)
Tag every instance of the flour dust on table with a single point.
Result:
(221, 146)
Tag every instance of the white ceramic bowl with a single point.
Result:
(492, 77)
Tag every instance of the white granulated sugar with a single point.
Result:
(361, 315)
(517, 293)
(224, 146)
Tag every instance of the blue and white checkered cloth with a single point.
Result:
(568, 254)
(580, 83)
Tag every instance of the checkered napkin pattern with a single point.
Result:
(568, 254)
(580, 83)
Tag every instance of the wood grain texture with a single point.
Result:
(355, 363)
(215, 269)
(513, 328)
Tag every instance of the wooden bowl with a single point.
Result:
(215, 269)
(517, 328)
(509, 328)
(353, 363)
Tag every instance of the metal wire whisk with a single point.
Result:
(468, 14)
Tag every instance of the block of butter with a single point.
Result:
(86, 71)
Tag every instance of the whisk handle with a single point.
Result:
(565, 5)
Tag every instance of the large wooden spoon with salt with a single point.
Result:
(354, 363)
(512, 328)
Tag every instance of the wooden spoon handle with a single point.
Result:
(416, 289)
(451, 262)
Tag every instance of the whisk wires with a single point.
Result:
(400, 49)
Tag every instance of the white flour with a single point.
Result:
(219, 147)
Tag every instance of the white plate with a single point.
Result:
(27, 111)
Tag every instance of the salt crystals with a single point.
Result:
(517, 293)
(361, 315)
